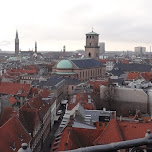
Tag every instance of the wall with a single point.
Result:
(127, 99)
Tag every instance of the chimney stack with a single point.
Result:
(24, 148)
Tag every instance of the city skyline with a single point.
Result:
(122, 25)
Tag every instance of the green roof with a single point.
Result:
(64, 64)
(92, 33)
(65, 73)
(13, 59)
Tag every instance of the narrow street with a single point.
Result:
(49, 140)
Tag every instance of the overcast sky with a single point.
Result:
(122, 24)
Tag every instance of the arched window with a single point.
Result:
(89, 55)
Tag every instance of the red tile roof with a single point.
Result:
(68, 138)
(76, 138)
(22, 71)
(111, 134)
(81, 98)
(13, 134)
(14, 88)
(115, 131)
(12, 100)
(147, 75)
(105, 60)
(136, 75)
(133, 75)
(134, 130)
(96, 84)
(30, 67)
(29, 118)
(41, 105)
(6, 115)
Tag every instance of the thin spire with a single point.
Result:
(16, 34)
(92, 29)
(35, 47)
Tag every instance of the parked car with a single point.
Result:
(59, 112)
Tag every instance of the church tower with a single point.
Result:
(92, 47)
(16, 44)
(64, 51)
(35, 47)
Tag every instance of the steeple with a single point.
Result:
(64, 51)
(16, 34)
(35, 47)
(16, 44)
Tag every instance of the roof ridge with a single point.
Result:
(100, 134)
(117, 127)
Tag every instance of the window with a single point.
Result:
(90, 44)
(72, 87)
(90, 37)
(86, 73)
(93, 37)
(80, 74)
(100, 124)
(87, 37)
(83, 74)
(89, 55)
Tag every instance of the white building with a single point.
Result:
(140, 50)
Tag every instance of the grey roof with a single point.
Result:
(119, 81)
(35, 82)
(133, 67)
(87, 63)
(82, 125)
(92, 33)
(53, 81)
(72, 81)
(116, 72)
(96, 113)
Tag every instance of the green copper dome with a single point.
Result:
(92, 33)
(64, 64)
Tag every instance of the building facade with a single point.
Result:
(81, 69)
(92, 47)
(102, 48)
(140, 50)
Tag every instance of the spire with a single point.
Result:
(16, 44)
(35, 47)
(16, 34)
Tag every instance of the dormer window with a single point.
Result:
(13, 146)
(20, 137)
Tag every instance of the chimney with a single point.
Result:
(24, 148)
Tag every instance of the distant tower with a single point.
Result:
(102, 48)
(64, 51)
(16, 44)
(35, 47)
(92, 47)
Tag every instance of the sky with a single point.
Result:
(122, 24)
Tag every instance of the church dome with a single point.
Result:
(64, 64)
